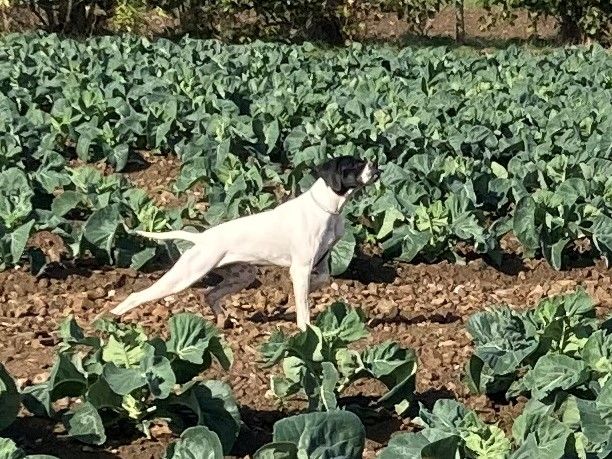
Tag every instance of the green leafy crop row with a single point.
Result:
(557, 354)
(319, 362)
(120, 378)
(472, 146)
(516, 351)
(126, 379)
(316, 435)
(452, 431)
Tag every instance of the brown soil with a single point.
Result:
(379, 27)
(442, 27)
(155, 173)
(420, 306)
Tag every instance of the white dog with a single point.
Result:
(298, 234)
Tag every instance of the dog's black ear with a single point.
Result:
(328, 171)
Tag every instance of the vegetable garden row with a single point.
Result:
(557, 354)
(473, 145)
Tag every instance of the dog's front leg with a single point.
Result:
(300, 277)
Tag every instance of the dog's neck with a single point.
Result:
(326, 199)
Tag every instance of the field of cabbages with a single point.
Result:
(470, 310)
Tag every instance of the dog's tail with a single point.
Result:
(180, 234)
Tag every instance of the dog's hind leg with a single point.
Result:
(235, 278)
(191, 266)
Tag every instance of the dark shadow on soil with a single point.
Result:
(511, 264)
(63, 271)
(260, 317)
(256, 430)
(444, 319)
(382, 431)
(136, 163)
(573, 258)
(284, 315)
(367, 269)
(85, 267)
(431, 396)
(500, 399)
(379, 422)
(437, 318)
(35, 436)
(477, 43)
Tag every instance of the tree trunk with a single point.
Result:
(326, 28)
(459, 21)
(569, 30)
(5, 21)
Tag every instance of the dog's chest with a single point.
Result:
(328, 235)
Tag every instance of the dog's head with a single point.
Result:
(346, 173)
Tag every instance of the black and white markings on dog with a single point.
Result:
(298, 234)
